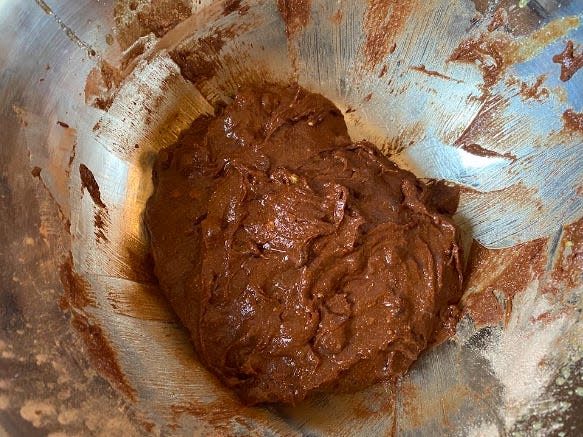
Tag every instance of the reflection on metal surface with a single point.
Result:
(493, 381)
(68, 31)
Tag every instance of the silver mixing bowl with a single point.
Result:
(521, 376)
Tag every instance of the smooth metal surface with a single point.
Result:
(472, 385)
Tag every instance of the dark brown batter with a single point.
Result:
(298, 260)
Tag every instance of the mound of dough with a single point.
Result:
(299, 261)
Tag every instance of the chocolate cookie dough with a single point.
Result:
(299, 260)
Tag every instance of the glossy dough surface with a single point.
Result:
(299, 260)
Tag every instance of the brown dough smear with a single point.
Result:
(300, 261)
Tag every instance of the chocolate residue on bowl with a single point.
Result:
(89, 183)
(36, 172)
(383, 21)
(570, 63)
(573, 121)
(488, 121)
(135, 19)
(101, 84)
(219, 412)
(487, 52)
(476, 149)
(111, 75)
(296, 15)
(383, 71)
(198, 60)
(484, 308)
(196, 66)
(232, 6)
(336, 17)
(518, 21)
(422, 69)
(534, 91)
(162, 15)
(489, 298)
(100, 226)
(499, 18)
(569, 267)
(101, 355)
(76, 293)
(494, 53)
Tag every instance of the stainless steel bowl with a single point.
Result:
(519, 376)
